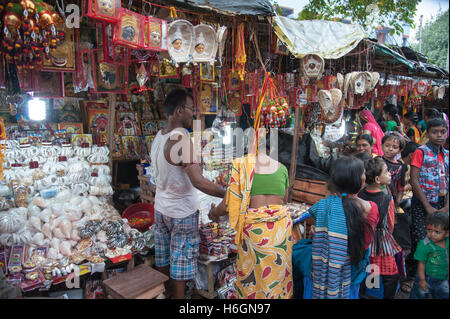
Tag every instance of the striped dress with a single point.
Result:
(331, 268)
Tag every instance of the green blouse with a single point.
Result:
(271, 184)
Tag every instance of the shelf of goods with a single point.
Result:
(56, 216)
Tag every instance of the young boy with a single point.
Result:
(429, 179)
(432, 256)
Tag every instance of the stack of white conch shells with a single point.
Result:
(53, 222)
(75, 174)
(60, 196)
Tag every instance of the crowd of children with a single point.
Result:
(408, 235)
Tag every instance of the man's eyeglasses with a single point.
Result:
(189, 108)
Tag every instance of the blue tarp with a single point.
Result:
(249, 7)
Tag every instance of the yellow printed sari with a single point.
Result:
(264, 239)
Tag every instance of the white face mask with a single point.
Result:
(313, 65)
(359, 84)
(326, 101)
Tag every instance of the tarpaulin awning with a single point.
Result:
(329, 39)
(233, 7)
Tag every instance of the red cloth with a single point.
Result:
(387, 264)
(372, 220)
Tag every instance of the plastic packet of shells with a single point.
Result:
(298, 211)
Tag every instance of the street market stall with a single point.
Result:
(80, 107)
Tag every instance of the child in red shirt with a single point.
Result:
(383, 247)
(429, 180)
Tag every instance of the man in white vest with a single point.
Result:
(178, 175)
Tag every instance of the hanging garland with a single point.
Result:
(273, 109)
(241, 57)
(31, 30)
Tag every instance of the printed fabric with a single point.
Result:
(263, 237)
(432, 172)
(264, 261)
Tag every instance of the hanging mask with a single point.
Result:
(312, 65)
(181, 36)
(340, 81)
(358, 83)
(421, 87)
(369, 81)
(330, 103)
(205, 44)
(375, 79)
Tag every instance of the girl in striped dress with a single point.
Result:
(344, 227)
(384, 247)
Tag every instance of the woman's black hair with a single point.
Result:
(392, 110)
(438, 219)
(363, 156)
(395, 136)
(374, 167)
(412, 116)
(436, 121)
(410, 148)
(431, 113)
(346, 178)
(383, 126)
(366, 137)
(176, 98)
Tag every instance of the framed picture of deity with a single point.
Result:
(208, 98)
(127, 123)
(80, 139)
(167, 69)
(131, 147)
(71, 128)
(98, 125)
(206, 72)
(63, 57)
(150, 127)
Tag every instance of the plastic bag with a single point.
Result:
(34, 210)
(35, 221)
(75, 201)
(38, 239)
(74, 235)
(45, 215)
(66, 227)
(63, 196)
(6, 239)
(86, 206)
(101, 236)
(73, 213)
(52, 253)
(64, 248)
(46, 230)
(40, 202)
(11, 221)
(57, 209)
(58, 233)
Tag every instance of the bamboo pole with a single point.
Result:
(111, 126)
(293, 167)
